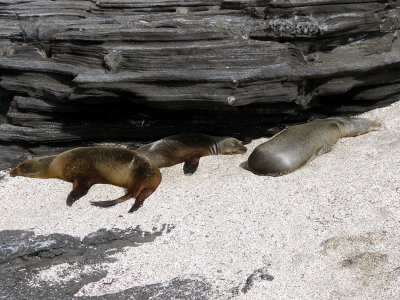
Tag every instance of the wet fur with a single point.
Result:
(297, 145)
(87, 166)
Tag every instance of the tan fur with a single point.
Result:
(91, 165)
(297, 145)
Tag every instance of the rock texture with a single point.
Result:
(74, 72)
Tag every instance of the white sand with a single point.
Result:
(327, 231)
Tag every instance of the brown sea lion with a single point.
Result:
(189, 148)
(296, 145)
(87, 166)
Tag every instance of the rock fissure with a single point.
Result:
(293, 60)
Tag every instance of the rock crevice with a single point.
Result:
(258, 63)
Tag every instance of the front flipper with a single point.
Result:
(140, 199)
(112, 202)
(191, 164)
(80, 189)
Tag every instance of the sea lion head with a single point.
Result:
(28, 168)
(356, 126)
(375, 125)
(230, 145)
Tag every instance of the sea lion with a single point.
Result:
(87, 166)
(189, 148)
(296, 145)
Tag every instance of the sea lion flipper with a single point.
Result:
(79, 190)
(134, 208)
(191, 164)
(103, 203)
(71, 199)
(140, 199)
(112, 202)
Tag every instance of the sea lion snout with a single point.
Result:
(358, 126)
(372, 124)
(242, 148)
(19, 170)
(231, 146)
(28, 168)
(238, 149)
(14, 172)
(376, 125)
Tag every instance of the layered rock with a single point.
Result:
(80, 72)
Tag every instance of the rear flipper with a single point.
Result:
(140, 199)
(80, 189)
(112, 202)
(191, 164)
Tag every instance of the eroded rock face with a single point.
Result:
(85, 71)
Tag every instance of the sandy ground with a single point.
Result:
(327, 231)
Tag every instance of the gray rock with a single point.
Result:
(251, 63)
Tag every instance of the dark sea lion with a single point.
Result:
(189, 148)
(87, 166)
(296, 145)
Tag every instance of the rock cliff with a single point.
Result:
(80, 72)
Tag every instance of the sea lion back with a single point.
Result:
(293, 147)
(107, 164)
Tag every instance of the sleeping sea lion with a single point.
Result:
(189, 148)
(296, 145)
(87, 166)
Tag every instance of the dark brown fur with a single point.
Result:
(188, 148)
(87, 166)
